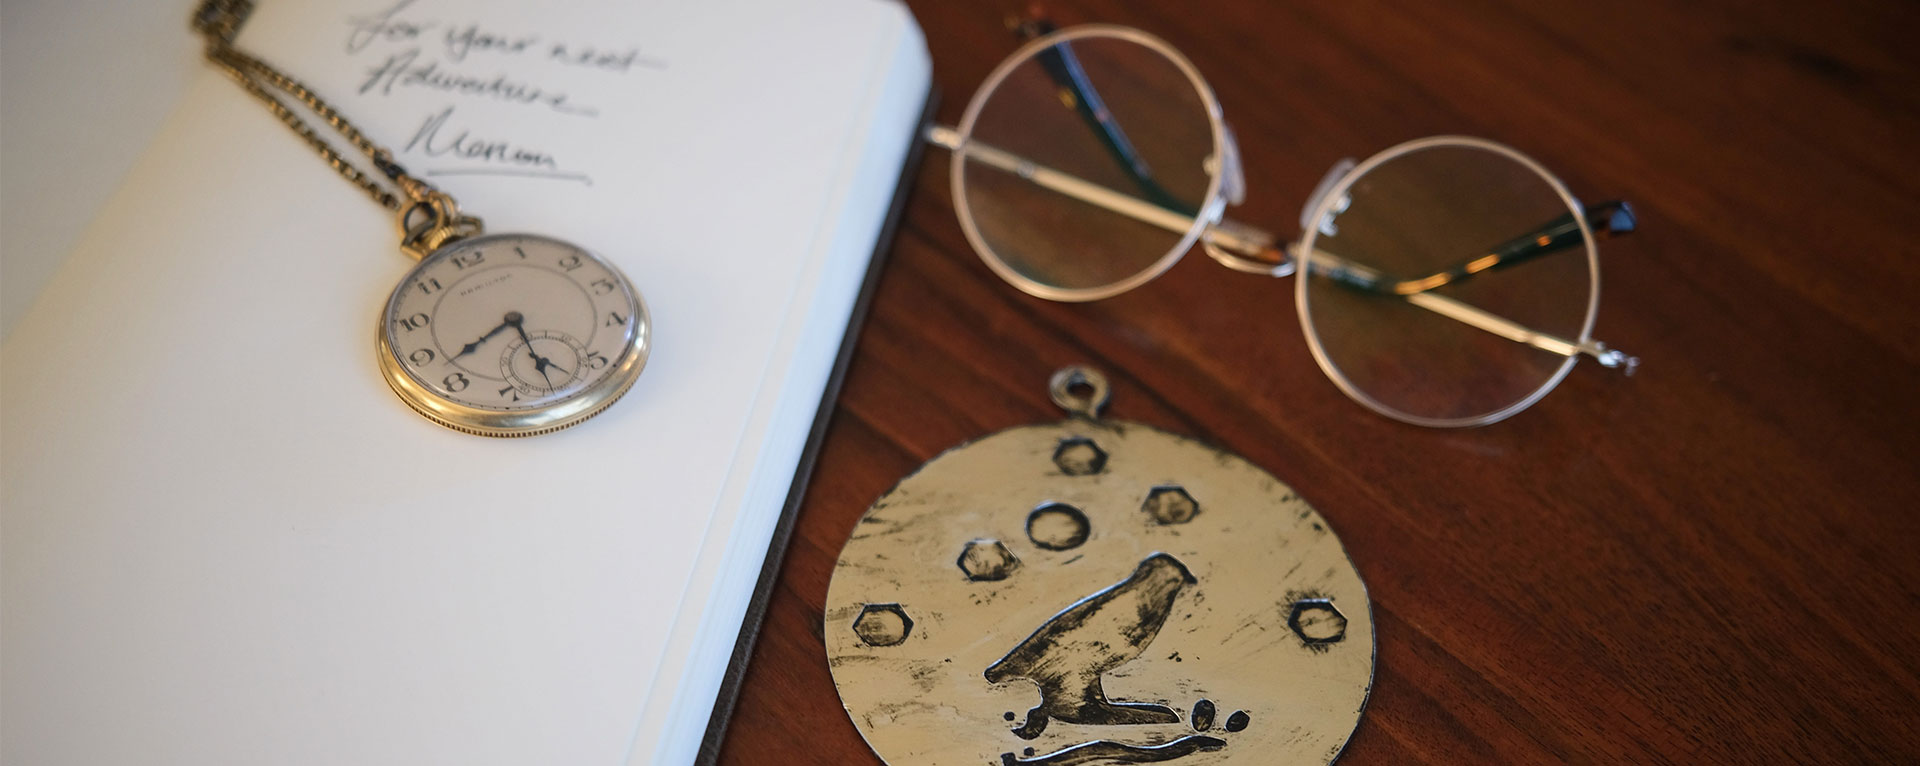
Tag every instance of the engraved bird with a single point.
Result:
(1068, 653)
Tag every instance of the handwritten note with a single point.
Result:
(408, 54)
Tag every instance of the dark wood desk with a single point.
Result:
(1717, 559)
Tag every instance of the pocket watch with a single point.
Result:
(512, 335)
(490, 334)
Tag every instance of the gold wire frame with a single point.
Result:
(1322, 205)
(1213, 204)
(1250, 249)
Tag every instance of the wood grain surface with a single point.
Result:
(1715, 560)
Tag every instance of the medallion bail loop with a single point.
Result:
(432, 221)
(1081, 391)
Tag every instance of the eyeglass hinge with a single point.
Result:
(1611, 358)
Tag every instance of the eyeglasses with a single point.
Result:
(1437, 286)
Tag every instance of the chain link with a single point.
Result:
(218, 21)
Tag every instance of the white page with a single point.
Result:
(226, 541)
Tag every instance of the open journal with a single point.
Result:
(225, 540)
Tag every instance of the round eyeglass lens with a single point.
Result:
(1429, 262)
(1081, 137)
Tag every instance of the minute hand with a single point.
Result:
(540, 363)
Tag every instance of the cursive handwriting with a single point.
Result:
(612, 61)
(401, 71)
(461, 40)
(383, 26)
(471, 38)
(410, 54)
(436, 139)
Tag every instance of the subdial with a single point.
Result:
(543, 363)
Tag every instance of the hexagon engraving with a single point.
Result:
(1170, 504)
(882, 624)
(1079, 456)
(985, 560)
(1317, 622)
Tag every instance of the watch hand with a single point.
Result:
(512, 319)
(540, 366)
(539, 362)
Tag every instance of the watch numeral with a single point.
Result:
(521, 253)
(595, 360)
(570, 262)
(615, 320)
(414, 322)
(469, 259)
(427, 286)
(421, 357)
(510, 391)
(456, 382)
(603, 286)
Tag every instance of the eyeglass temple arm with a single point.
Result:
(1605, 219)
(1245, 238)
(1077, 92)
(1355, 275)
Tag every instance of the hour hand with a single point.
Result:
(512, 319)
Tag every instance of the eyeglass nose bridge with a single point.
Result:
(1235, 245)
(1250, 249)
(1245, 248)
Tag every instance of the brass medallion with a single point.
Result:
(1097, 592)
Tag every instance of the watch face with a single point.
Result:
(512, 334)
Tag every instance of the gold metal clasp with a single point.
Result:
(432, 221)
(220, 20)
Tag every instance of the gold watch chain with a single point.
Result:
(429, 218)
(251, 73)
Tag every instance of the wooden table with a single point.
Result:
(1717, 559)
